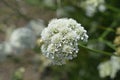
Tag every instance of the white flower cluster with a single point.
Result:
(23, 38)
(91, 6)
(61, 40)
(110, 67)
(37, 26)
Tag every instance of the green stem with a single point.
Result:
(97, 51)
(107, 43)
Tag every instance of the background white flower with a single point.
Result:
(91, 6)
(105, 69)
(23, 38)
(37, 26)
(110, 67)
(61, 40)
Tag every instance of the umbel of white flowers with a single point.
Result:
(36, 26)
(60, 40)
(109, 68)
(22, 38)
(91, 6)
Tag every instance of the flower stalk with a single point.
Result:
(96, 51)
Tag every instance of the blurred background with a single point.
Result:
(100, 18)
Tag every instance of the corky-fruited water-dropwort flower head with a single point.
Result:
(61, 40)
